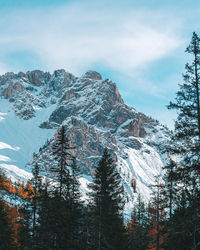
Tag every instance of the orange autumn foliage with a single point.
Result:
(19, 189)
(25, 192)
(156, 232)
(13, 214)
(13, 217)
(131, 225)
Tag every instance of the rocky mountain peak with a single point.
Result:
(95, 117)
(59, 72)
(93, 75)
(38, 77)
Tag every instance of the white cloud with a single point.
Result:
(77, 36)
(7, 146)
(4, 158)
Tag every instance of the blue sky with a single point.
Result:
(138, 44)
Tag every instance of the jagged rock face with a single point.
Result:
(93, 104)
(95, 117)
(12, 90)
(34, 90)
(85, 137)
(38, 77)
(93, 75)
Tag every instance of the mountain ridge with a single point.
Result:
(95, 116)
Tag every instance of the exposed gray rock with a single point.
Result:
(12, 89)
(38, 77)
(93, 75)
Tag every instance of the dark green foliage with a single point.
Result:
(59, 222)
(46, 221)
(62, 154)
(187, 125)
(107, 205)
(75, 207)
(6, 234)
(87, 232)
(183, 227)
(60, 214)
(169, 192)
(24, 231)
(184, 178)
(36, 183)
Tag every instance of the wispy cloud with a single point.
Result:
(140, 44)
(77, 36)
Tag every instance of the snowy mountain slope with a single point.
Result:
(34, 105)
(18, 140)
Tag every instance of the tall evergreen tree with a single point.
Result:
(187, 125)
(61, 207)
(75, 206)
(108, 205)
(62, 154)
(169, 191)
(34, 193)
(187, 138)
(47, 217)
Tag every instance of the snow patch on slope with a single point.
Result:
(4, 158)
(25, 135)
(5, 145)
(16, 173)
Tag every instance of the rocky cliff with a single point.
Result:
(95, 117)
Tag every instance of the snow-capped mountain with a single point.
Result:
(35, 104)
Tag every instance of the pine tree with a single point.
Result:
(107, 203)
(187, 125)
(169, 191)
(75, 207)
(34, 194)
(87, 233)
(64, 206)
(187, 138)
(70, 209)
(62, 154)
(46, 219)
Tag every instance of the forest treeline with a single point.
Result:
(51, 215)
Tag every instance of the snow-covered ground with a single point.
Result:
(19, 139)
